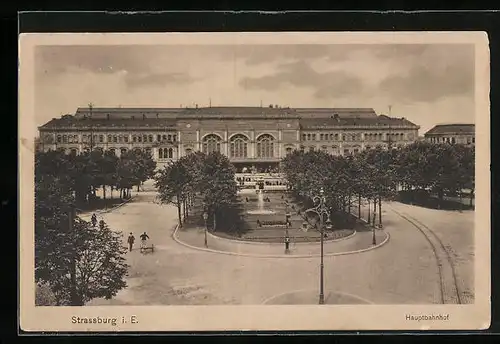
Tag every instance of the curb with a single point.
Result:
(266, 301)
(174, 236)
(216, 237)
(105, 211)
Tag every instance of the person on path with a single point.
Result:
(287, 243)
(130, 240)
(144, 238)
(94, 220)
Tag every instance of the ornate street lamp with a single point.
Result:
(321, 210)
(205, 218)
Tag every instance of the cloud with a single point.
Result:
(434, 73)
(138, 80)
(300, 74)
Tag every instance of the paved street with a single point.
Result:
(404, 270)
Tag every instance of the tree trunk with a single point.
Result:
(111, 192)
(179, 213)
(104, 191)
(369, 218)
(471, 197)
(359, 206)
(380, 211)
(215, 221)
(349, 205)
(374, 210)
(138, 187)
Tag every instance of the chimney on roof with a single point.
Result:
(143, 116)
(271, 106)
(107, 116)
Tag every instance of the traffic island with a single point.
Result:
(311, 297)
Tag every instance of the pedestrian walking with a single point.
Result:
(287, 243)
(130, 240)
(93, 220)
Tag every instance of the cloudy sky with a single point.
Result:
(428, 84)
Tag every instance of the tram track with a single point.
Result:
(449, 289)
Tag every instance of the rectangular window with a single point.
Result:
(473, 140)
(158, 138)
(174, 138)
(453, 140)
(125, 138)
(346, 151)
(101, 138)
(169, 137)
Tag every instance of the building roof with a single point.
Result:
(69, 121)
(382, 121)
(342, 112)
(455, 128)
(167, 117)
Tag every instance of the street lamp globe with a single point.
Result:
(328, 224)
(205, 216)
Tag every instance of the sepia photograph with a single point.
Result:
(254, 181)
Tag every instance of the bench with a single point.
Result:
(148, 248)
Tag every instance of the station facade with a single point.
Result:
(252, 137)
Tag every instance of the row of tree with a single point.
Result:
(377, 174)
(209, 178)
(85, 173)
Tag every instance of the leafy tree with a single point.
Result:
(171, 183)
(77, 262)
(219, 188)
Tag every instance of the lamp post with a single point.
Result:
(205, 218)
(321, 210)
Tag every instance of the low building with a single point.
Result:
(250, 136)
(452, 133)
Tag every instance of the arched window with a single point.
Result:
(139, 138)
(73, 151)
(211, 143)
(169, 137)
(164, 137)
(265, 146)
(112, 150)
(115, 138)
(289, 150)
(59, 138)
(302, 149)
(304, 137)
(65, 139)
(148, 151)
(110, 139)
(150, 138)
(238, 146)
(324, 149)
(170, 153)
(101, 138)
(134, 138)
(70, 138)
(174, 137)
(123, 151)
(144, 138)
(188, 151)
(125, 138)
(158, 138)
(160, 153)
